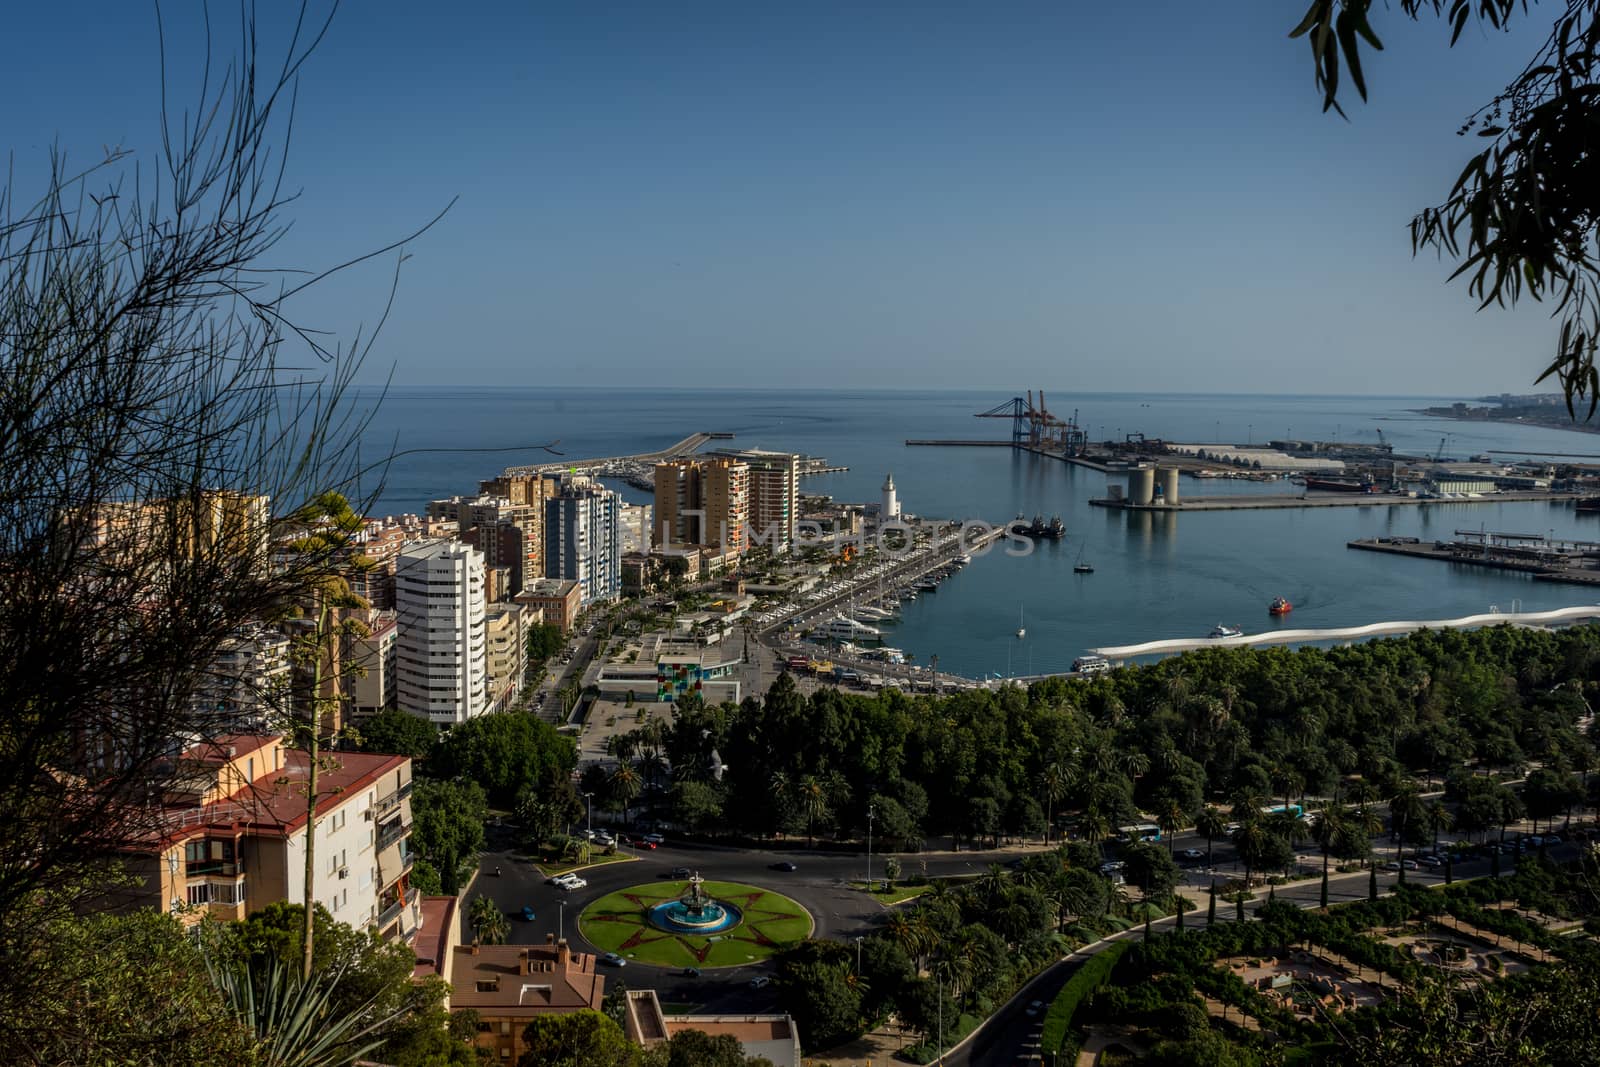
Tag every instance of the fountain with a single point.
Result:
(695, 912)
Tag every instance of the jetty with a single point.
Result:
(1558, 617)
(1546, 559)
(1265, 501)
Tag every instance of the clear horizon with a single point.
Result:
(1101, 201)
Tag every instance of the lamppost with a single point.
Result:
(172, 869)
(859, 939)
(561, 923)
(871, 814)
(589, 798)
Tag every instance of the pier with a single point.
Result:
(1558, 617)
(688, 446)
(961, 444)
(1571, 562)
(1266, 501)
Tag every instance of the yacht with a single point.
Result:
(1221, 630)
(843, 628)
(964, 559)
(1022, 631)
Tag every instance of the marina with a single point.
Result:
(1312, 499)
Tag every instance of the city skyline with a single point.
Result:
(852, 198)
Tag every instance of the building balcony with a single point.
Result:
(390, 832)
(389, 914)
(392, 800)
(213, 868)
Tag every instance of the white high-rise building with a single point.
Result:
(890, 508)
(442, 652)
(583, 539)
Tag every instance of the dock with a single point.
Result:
(1266, 501)
(1570, 562)
(960, 444)
(1558, 617)
(688, 446)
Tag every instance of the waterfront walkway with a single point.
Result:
(1558, 617)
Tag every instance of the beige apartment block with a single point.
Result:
(703, 502)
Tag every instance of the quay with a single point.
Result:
(1571, 562)
(1558, 617)
(961, 444)
(1266, 501)
(688, 446)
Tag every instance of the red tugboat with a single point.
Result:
(1279, 606)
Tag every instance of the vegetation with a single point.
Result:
(1084, 982)
(1523, 217)
(616, 923)
(1235, 731)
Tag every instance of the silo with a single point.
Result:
(1169, 486)
(1141, 485)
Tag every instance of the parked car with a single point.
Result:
(1409, 865)
(654, 839)
(1430, 862)
(1192, 854)
(1552, 839)
(760, 981)
(1391, 866)
(527, 913)
(604, 837)
(554, 879)
(691, 972)
(611, 959)
(680, 872)
(785, 865)
(571, 882)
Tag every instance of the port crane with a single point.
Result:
(1034, 426)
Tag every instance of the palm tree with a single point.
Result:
(1405, 810)
(1439, 818)
(1250, 840)
(488, 922)
(625, 786)
(1212, 823)
(1171, 818)
(813, 796)
(995, 885)
(1328, 827)
(1056, 782)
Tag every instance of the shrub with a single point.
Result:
(1090, 977)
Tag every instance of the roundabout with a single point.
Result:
(694, 923)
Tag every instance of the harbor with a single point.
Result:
(1323, 500)
(1546, 558)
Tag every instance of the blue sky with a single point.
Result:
(1075, 196)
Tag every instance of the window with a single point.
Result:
(199, 894)
(488, 987)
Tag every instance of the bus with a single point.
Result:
(1143, 831)
(1293, 809)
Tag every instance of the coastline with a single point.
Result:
(1509, 420)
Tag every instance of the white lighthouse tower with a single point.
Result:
(890, 508)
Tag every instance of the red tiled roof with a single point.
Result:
(433, 941)
(231, 746)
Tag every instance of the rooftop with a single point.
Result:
(435, 935)
(524, 980)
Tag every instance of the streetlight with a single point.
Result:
(589, 797)
(561, 923)
(859, 939)
(871, 814)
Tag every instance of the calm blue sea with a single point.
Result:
(1155, 576)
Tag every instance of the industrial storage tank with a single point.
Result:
(1169, 485)
(1141, 485)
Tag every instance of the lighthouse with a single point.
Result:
(890, 508)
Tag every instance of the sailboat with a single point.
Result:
(1021, 630)
(1082, 566)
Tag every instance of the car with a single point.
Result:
(785, 865)
(1192, 854)
(527, 913)
(1111, 866)
(691, 972)
(555, 879)
(760, 981)
(1391, 866)
(1430, 861)
(654, 839)
(604, 837)
(1409, 865)
(641, 843)
(679, 872)
(1552, 839)
(1034, 1008)
(611, 959)
(1231, 828)
(573, 882)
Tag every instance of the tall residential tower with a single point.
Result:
(441, 656)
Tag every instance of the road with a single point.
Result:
(818, 886)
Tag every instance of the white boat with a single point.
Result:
(843, 628)
(1226, 631)
(963, 559)
(1022, 631)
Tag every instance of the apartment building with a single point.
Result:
(248, 680)
(583, 539)
(511, 985)
(703, 502)
(232, 836)
(558, 601)
(506, 633)
(774, 496)
(377, 687)
(441, 650)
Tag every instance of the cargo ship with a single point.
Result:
(1340, 485)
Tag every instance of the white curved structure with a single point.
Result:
(1351, 633)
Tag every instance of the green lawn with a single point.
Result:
(896, 895)
(564, 866)
(616, 923)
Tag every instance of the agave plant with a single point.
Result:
(291, 1019)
